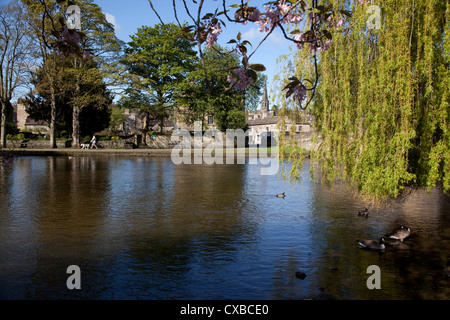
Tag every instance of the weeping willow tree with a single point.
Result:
(382, 103)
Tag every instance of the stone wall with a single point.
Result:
(35, 144)
(156, 142)
(45, 144)
(165, 142)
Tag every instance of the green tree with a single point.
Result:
(158, 59)
(138, 99)
(200, 97)
(42, 16)
(99, 44)
(117, 118)
(253, 92)
(94, 116)
(15, 58)
(95, 41)
(383, 104)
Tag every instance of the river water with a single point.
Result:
(145, 228)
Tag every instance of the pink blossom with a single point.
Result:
(255, 15)
(339, 23)
(326, 45)
(283, 8)
(271, 17)
(243, 80)
(288, 14)
(293, 18)
(213, 35)
(263, 25)
(299, 37)
(299, 93)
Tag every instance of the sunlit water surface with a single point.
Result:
(144, 228)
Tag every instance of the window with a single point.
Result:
(299, 128)
(210, 120)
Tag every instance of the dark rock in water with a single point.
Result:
(300, 275)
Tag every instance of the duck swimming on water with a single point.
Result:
(281, 195)
(364, 213)
(372, 244)
(399, 233)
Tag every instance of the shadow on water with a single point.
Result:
(144, 228)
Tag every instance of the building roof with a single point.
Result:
(166, 123)
(31, 122)
(270, 120)
(262, 121)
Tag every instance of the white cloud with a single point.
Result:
(112, 19)
(255, 37)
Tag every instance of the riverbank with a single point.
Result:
(104, 152)
(90, 152)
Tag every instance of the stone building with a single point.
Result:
(25, 122)
(135, 123)
(266, 120)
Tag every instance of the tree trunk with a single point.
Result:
(76, 126)
(161, 123)
(3, 125)
(52, 116)
(146, 128)
(76, 115)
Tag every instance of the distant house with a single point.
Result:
(25, 122)
(181, 113)
(135, 123)
(37, 126)
(168, 125)
(265, 120)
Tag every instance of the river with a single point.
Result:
(145, 228)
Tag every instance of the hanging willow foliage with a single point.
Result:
(382, 107)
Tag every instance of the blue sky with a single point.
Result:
(128, 16)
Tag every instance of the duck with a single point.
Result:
(281, 195)
(364, 213)
(372, 244)
(399, 233)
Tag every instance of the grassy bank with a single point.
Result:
(248, 152)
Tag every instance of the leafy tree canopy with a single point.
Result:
(383, 102)
(157, 59)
